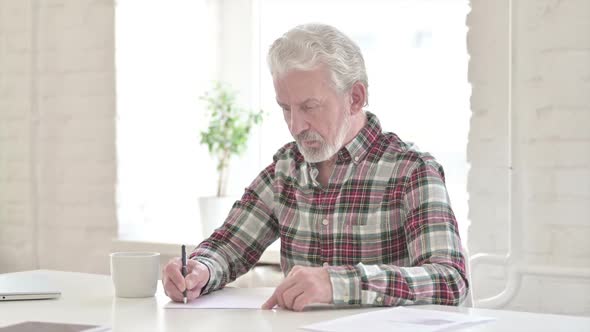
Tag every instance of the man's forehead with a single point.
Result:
(298, 87)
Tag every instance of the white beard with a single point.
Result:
(326, 150)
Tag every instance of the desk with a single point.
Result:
(88, 298)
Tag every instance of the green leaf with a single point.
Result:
(229, 125)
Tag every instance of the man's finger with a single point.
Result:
(172, 291)
(300, 302)
(174, 274)
(290, 295)
(270, 303)
(281, 288)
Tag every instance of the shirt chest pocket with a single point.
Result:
(361, 205)
(375, 206)
(369, 217)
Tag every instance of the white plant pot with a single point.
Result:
(214, 210)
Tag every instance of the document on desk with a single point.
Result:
(400, 319)
(227, 298)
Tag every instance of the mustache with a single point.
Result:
(309, 135)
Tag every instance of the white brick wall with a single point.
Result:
(57, 134)
(57, 175)
(551, 124)
(15, 161)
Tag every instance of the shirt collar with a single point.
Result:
(357, 149)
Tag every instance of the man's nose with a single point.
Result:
(297, 123)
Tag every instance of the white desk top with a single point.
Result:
(89, 299)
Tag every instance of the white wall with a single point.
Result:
(57, 125)
(546, 57)
(16, 208)
(57, 153)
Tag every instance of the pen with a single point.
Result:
(183, 270)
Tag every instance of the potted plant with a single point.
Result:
(226, 136)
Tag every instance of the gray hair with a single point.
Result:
(309, 46)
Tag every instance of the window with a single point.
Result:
(168, 52)
(162, 69)
(416, 58)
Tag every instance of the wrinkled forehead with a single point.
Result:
(296, 86)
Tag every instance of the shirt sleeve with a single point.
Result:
(249, 229)
(436, 274)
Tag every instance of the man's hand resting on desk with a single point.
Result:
(303, 286)
(174, 283)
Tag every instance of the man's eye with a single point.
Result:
(308, 107)
(285, 109)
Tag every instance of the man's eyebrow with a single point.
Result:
(308, 100)
(281, 104)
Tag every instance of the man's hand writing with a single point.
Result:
(174, 284)
(303, 286)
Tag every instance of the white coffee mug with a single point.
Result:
(135, 274)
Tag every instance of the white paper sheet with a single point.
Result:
(399, 319)
(227, 298)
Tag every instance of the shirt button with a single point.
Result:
(326, 264)
(356, 159)
(325, 222)
(345, 298)
(379, 299)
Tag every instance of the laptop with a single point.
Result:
(14, 286)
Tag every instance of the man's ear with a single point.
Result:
(358, 96)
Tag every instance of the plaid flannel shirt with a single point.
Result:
(383, 227)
